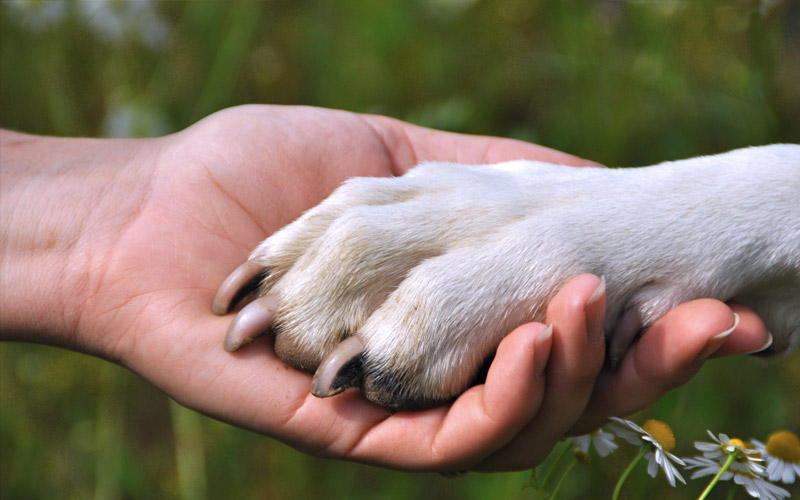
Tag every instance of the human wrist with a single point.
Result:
(58, 215)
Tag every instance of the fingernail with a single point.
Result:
(715, 342)
(765, 346)
(594, 311)
(540, 357)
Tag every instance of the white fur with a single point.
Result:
(433, 268)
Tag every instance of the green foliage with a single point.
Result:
(618, 82)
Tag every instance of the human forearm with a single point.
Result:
(62, 202)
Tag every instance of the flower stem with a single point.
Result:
(563, 477)
(627, 472)
(715, 480)
(558, 460)
(732, 491)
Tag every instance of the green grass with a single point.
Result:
(622, 83)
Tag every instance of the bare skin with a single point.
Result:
(115, 248)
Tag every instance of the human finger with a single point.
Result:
(408, 145)
(577, 313)
(670, 353)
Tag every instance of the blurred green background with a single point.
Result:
(619, 82)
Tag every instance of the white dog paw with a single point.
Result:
(405, 286)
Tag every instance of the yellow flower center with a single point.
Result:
(661, 432)
(784, 445)
(740, 455)
(738, 442)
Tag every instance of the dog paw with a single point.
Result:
(405, 286)
(401, 286)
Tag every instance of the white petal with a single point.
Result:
(652, 466)
(706, 467)
(672, 472)
(627, 430)
(674, 458)
(604, 443)
(771, 491)
(796, 469)
(582, 442)
(748, 484)
(704, 446)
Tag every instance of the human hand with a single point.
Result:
(130, 245)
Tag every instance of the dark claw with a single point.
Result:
(237, 286)
(253, 321)
(340, 369)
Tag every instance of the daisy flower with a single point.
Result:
(657, 441)
(747, 458)
(756, 487)
(727, 459)
(599, 439)
(782, 454)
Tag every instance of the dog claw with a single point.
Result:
(628, 328)
(340, 369)
(236, 286)
(253, 321)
